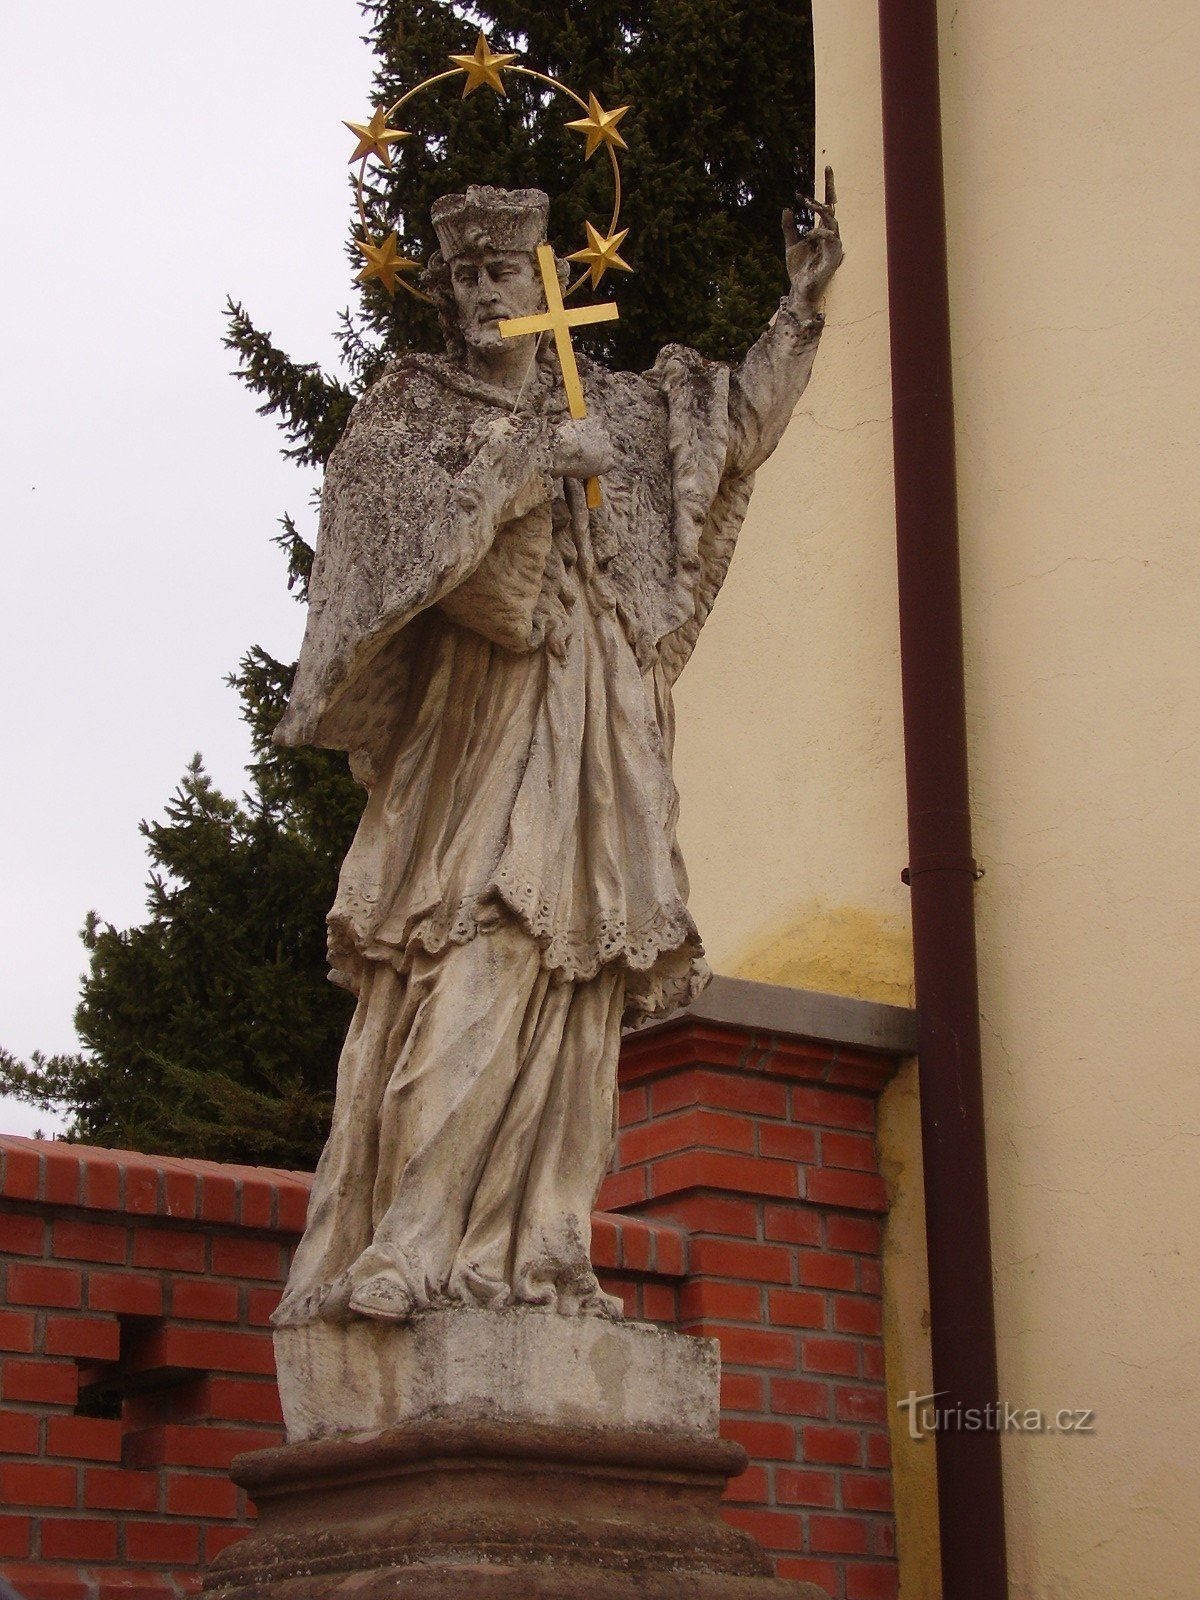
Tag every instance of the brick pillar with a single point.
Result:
(761, 1148)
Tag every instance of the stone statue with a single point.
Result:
(498, 660)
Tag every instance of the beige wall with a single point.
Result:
(1072, 150)
(789, 750)
(1073, 181)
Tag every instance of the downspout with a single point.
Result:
(942, 869)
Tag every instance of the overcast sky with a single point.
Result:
(157, 157)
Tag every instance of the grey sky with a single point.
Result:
(157, 157)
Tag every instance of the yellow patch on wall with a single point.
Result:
(838, 950)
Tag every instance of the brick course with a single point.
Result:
(744, 1204)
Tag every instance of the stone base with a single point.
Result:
(444, 1510)
(522, 1366)
(482, 1455)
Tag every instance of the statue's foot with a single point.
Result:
(599, 1304)
(384, 1297)
(591, 1301)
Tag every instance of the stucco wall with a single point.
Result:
(1072, 147)
(789, 754)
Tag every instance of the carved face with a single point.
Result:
(492, 286)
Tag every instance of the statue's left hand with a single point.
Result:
(813, 257)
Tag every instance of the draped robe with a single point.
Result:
(498, 660)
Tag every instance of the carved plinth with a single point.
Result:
(492, 1511)
(518, 1366)
(501, 1456)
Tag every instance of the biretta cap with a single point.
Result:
(486, 219)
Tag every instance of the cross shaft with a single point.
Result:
(558, 320)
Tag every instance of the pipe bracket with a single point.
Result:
(945, 862)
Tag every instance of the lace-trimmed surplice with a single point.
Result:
(536, 784)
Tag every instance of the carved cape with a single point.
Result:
(441, 525)
(438, 485)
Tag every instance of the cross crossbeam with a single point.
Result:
(558, 320)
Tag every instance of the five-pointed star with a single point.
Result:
(384, 262)
(375, 136)
(600, 126)
(483, 67)
(601, 253)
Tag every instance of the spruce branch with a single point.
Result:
(312, 407)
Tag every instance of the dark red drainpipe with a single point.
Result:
(942, 867)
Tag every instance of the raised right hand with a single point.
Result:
(815, 255)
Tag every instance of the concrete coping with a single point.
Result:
(800, 1014)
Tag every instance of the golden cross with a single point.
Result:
(558, 320)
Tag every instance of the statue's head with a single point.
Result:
(486, 265)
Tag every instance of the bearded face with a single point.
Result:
(489, 287)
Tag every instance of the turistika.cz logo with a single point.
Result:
(926, 1416)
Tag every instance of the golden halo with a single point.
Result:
(483, 69)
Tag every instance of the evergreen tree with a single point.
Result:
(210, 1029)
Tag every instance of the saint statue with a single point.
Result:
(498, 656)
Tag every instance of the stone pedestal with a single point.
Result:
(496, 1456)
(498, 1366)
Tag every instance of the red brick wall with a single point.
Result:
(136, 1355)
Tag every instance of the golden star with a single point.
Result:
(375, 136)
(601, 253)
(483, 67)
(384, 262)
(600, 126)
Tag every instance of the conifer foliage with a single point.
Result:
(210, 1029)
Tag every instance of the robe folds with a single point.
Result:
(498, 660)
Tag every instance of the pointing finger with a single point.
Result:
(830, 189)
